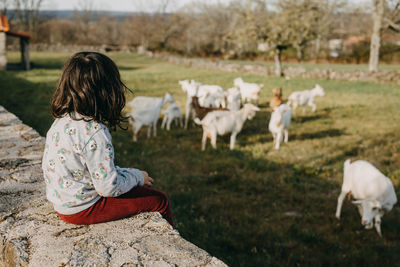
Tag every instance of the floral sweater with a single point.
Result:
(78, 166)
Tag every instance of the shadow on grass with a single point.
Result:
(308, 118)
(318, 134)
(230, 196)
(29, 101)
(125, 68)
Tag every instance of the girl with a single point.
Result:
(82, 182)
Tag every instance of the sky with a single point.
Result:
(119, 5)
(129, 5)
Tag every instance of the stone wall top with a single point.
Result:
(382, 76)
(31, 234)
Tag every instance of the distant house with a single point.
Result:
(24, 42)
(340, 46)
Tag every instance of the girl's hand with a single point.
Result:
(148, 181)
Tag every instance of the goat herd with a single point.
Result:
(219, 113)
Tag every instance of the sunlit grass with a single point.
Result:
(253, 206)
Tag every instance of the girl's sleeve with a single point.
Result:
(108, 180)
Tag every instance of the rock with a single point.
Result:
(31, 234)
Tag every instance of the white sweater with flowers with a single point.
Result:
(78, 166)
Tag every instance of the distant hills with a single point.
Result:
(65, 14)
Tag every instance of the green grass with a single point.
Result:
(253, 206)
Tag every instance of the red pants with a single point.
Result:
(139, 199)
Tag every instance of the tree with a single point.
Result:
(4, 6)
(243, 26)
(385, 14)
(28, 13)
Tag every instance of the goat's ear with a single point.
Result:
(357, 202)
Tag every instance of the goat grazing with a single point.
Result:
(201, 112)
(146, 112)
(306, 97)
(173, 112)
(223, 122)
(277, 100)
(279, 124)
(248, 91)
(373, 191)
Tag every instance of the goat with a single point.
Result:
(201, 112)
(190, 88)
(373, 191)
(279, 124)
(173, 112)
(306, 97)
(222, 122)
(248, 91)
(208, 96)
(233, 98)
(215, 92)
(146, 112)
(277, 100)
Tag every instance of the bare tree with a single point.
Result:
(385, 14)
(4, 4)
(154, 6)
(28, 13)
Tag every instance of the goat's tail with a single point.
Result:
(198, 121)
(346, 167)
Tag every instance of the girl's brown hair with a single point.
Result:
(91, 86)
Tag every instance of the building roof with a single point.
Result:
(5, 27)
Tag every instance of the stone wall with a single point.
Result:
(382, 76)
(31, 234)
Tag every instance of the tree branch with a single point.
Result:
(392, 25)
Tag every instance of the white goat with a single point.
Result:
(215, 92)
(248, 91)
(279, 124)
(190, 88)
(224, 122)
(208, 95)
(146, 112)
(233, 98)
(306, 97)
(373, 191)
(172, 113)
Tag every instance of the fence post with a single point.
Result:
(3, 48)
(25, 61)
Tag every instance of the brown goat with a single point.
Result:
(200, 111)
(277, 100)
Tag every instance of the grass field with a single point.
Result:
(253, 206)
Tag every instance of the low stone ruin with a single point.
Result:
(31, 234)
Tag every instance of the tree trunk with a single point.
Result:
(299, 54)
(317, 48)
(377, 17)
(278, 62)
